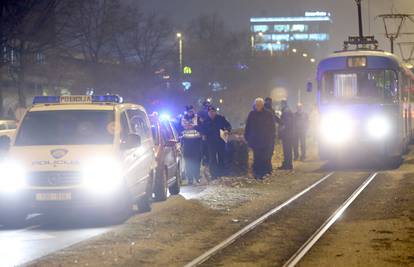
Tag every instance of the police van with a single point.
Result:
(78, 152)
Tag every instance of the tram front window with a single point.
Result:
(367, 85)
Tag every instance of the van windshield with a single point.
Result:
(67, 127)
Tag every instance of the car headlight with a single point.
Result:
(12, 177)
(336, 128)
(378, 127)
(102, 175)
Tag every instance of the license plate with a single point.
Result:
(63, 196)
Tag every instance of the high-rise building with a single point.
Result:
(280, 34)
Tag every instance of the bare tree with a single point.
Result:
(213, 51)
(146, 41)
(27, 31)
(90, 29)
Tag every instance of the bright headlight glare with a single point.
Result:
(12, 177)
(102, 175)
(336, 128)
(378, 127)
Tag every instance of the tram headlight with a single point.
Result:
(378, 127)
(336, 128)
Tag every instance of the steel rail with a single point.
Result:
(213, 251)
(304, 249)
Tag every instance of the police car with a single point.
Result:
(73, 152)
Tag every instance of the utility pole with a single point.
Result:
(361, 29)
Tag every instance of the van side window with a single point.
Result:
(124, 127)
(167, 131)
(139, 123)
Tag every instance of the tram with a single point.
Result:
(366, 105)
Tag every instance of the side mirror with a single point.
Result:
(132, 141)
(309, 87)
(171, 143)
(5, 143)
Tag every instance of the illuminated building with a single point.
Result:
(278, 34)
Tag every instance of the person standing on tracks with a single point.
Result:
(215, 129)
(301, 130)
(286, 134)
(260, 133)
(191, 140)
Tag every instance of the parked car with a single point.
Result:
(168, 156)
(7, 128)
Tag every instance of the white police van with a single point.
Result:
(73, 152)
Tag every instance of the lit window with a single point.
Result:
(282, 28)
(301, 37)
(280, 37)
(260, 28)
(318, 37)
(299, 28)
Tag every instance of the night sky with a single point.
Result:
(236, 13)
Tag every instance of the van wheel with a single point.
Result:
(160, 187)
(13, 220)
(175, 187)
(144, 202)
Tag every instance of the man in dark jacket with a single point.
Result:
(301, 129)
(191, 140)
(214, 128)
(286, 134)
(203, 116)
(260, 133)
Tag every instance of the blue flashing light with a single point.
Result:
(165, 117)
(106, 99)
(46, 100)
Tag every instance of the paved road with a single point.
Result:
(44, 235)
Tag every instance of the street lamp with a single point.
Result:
(393, 24)
(407, 51)
(312, 60)
(305, 55)
(180, 49)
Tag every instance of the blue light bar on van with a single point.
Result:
(77, 99)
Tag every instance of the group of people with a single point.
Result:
(204, 136)
(204, 140)
(260, 134)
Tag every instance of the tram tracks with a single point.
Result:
(288, 226)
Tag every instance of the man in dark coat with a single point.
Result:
(301, 129)
(191, 140)
(260, 133)
(286, 134)
(203, 116)
(213, 129)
